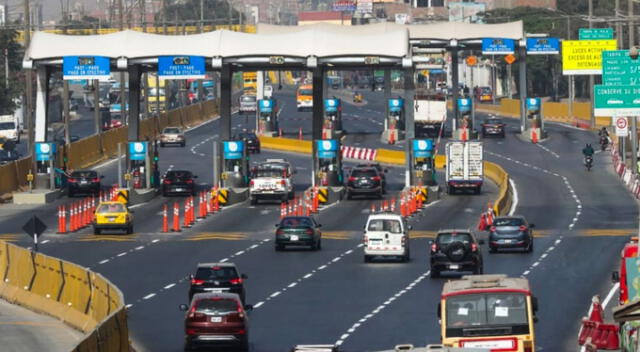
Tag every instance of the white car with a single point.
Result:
(272, 179)
(172, 135)
(387, 235)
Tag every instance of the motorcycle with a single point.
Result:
(357, 98)
(604, 142)
(588, 162)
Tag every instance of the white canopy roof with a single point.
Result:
(320, 42)
(436, 31)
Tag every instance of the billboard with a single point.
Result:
(584, 57)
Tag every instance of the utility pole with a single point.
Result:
(634, 118)
(632, 31)
(572, 82)
(145, 75)
(123, 101)
(591, 77)
(230, 16)
(201, 16)
(164, 17)
(618, 24)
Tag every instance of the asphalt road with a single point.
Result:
(582, 221)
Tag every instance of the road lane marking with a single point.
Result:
(169, 286)
(307, 275)
(103, 261)
(148, 296)
(548, 150)
(378, 309)
(514, 203)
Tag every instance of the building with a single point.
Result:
(333, 17)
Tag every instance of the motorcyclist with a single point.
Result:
(588, 152)
(604, 138)
(603, 132)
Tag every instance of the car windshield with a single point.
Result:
(305, 92)
(486, 309)
(171, 130)
(296, 222)
(216, 273)
(485, 90)
(179, 174)
(386, 225)
(7, 125)
(270, 172)
(111, 208)
(508, 222)
(216, 306)
(363, 173)
(446, 238)
(154, 92)
(494, 121)
(247, 136)
(248, 98)
(84, 174)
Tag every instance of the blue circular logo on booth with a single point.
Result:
(233, 146)
(533, 101)
(395, 102)
(266, 103)
(138, 147)
(464, 102)
(326, 145)
(331, 102)
(45, 148)
(422, 145)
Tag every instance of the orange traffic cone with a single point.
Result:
(165, 219)
(176, 217)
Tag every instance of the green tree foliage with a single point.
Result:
(216, 11)
(15, 52)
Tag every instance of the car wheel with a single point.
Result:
(530, 249)
(349, 196)
(96, 230)
(279, 247)
(449, 190)
(129, 229)
(244, 345)
(435, 273)
(161, 145)
(380, 195)
(183, 144)
(493, 249)
(478, 190)
(478, 270)
(70, 194)
(188, 346)
(319, 245)
(367, 258)
(254, 201)
(291, 195)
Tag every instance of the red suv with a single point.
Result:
(216, 319)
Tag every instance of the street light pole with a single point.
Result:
(591, 77)
(634, 118)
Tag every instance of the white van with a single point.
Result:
(386, 234)
(9, 128)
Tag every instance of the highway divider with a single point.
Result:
(501, 205)
(77, 296)
(93, 149)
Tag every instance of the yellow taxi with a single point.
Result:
(112, 216)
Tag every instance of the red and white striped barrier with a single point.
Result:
(359, 153)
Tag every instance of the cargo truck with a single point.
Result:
(465, 166)
(430, 114)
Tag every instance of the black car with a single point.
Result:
(493, 127)
(381, 172)
(251, 141)
(7, 156)
(179, 182)
(455, 250)
(365, 181)
(217, 277)
(511, 232)
(298, 231)
(84, 181)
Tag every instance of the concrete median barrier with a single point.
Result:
(82, 299)
(286, 144)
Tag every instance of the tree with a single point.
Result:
(8, 41)
(216, 11)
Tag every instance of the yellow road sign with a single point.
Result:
(584, 57)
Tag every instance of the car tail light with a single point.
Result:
(97, 179)
(197, 282)
(523, 228)
(72, 180)
(309, 232)
(351, 179)
(191, 331)
(241, 332)
(235, 318)
(283, 182)
(376, 178)
(251, 183)
(189, 181)
(236, 281)
(280, 232)
(492, 229)
(434, 247)
(166, 182)
(404, 240)
(366, 240)
(474, 247)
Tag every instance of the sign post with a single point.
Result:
(622, 126)
(595, 33)
(34, 228)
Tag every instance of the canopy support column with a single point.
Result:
(522, 66)
(225, 102)
(409, 96)
(455, 79)
(43, 73)
(317, 118)
(135, 74)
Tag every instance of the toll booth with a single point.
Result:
(267, 116)
(394, 123)
(235, 165)
(534, 112)
(422, 163)
(332, 124)
(142, 170)
(328, 168)
(465, 120)
(45, 165)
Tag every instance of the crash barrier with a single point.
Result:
(496, 173)
(357, 153)
(551, 111)
(195, 208)
(77, 296)
(593, 329)
(93, 149)
(631, 181)
(286, 144)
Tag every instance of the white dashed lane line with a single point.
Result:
(305, 277)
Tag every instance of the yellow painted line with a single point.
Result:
(608, 232)
(336, 235)
(229, 236)
(32, 323)
(423, 234)
(114, 238)
(9, 237)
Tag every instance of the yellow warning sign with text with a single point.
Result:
(584, 57)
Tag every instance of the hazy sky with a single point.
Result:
(51, 7)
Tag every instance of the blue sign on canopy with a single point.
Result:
(181, 67)
(44, 150)
(265, 105)
(331, 105)
(327, 148)
(233, 149)
(85, 67)
(497, 46)
(137, 150)
(422, 148)
(396, 105)
(543, 46)
(464, 105)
